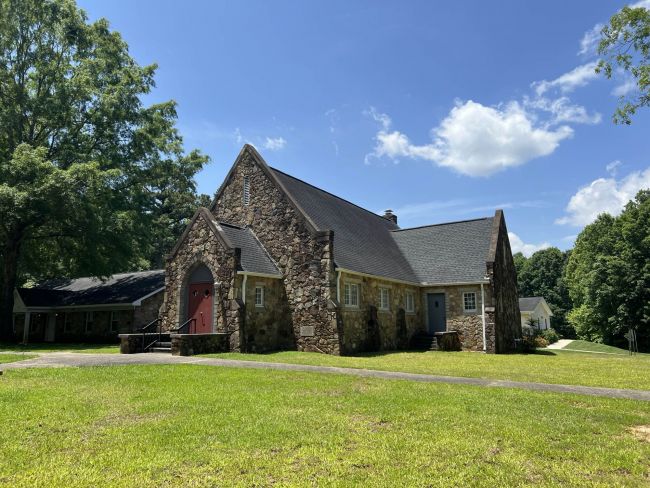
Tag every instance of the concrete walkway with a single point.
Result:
(71, 359)
(560, 344)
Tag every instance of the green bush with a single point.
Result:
(550, 335)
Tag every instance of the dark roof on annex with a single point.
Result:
(368, 243)
(528, 304)
(119, 289)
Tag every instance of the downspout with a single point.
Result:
(338, 287)
(483, 316)
(243, 289)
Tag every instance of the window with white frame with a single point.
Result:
(469, 301)
(351, 295)
(90, 319)
(384, 299)
(259, 296)
(247, 190)
(409, 302)
(115, 321)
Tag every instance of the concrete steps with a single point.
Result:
(424, 342)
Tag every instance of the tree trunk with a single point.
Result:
(7, 286)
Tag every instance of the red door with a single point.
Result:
(200, 307)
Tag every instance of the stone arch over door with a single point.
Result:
(198, 273)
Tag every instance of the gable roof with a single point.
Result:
(529, 304)
(362, 239)
(254, 257)
(453, 252)
(119, 289)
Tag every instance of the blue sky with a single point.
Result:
(440, 111)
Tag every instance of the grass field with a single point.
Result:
(587, 346)
(55, 347)
(544, 367)
(10, 358)
(188, 425)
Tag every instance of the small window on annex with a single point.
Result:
(469, 301)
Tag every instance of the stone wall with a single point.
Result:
(191, 344)
(469, 325)
(393, 328)
(303, 255)
(148, 311)
(504, 314)
(201, 246)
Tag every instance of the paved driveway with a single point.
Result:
(71, 359)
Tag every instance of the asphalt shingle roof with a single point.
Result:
(362, 239)
(369, 243)
(528, 304)
(120, 288)
(254, 257)
(447, 253)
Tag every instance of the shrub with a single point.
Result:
(550, 335)
(540, 342)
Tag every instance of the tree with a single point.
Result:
(543, 275)
(89, 177)
(608, 275)
(625, 42)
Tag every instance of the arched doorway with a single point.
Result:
(200, 300)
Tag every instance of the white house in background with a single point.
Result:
(537, 309)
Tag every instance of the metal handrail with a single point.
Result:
(185, 324)
(144, 332)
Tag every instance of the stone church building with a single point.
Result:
(276, 263)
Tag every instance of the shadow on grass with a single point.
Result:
(52, 346)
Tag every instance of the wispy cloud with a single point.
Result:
(590, 40)
(567, 82)
(274, 143)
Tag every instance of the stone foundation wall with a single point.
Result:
(191, 344)
(303, 255)
(393, 329)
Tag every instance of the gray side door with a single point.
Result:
(436, 312)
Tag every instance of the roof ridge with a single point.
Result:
(329, 193)
(228, 224)
(442, 223)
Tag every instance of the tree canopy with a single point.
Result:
(92, 181)
(625, 43)
(608, 275)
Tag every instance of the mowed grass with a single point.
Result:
(586, 346)
(187, 425)
(62, 347)
(11, 358)
(558, 367)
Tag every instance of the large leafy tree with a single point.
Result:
(625, 43)
(91, 180)
(608, 275)
(543, 275)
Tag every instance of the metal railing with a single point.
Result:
(185, 325)
(146, 346)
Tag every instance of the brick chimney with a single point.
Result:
(389, 215)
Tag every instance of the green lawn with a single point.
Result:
(544, 367)
(55, 347)
(11, 358)
(187, 425)
(587, 346)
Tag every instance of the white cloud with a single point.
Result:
(612, 168)
(642, 3)
(474, 139)
(274, 143)
(590, 40)
(603, 195)
(569, 81)
(627, 86)
(383, 119)
(517, 245)
(563, 110)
